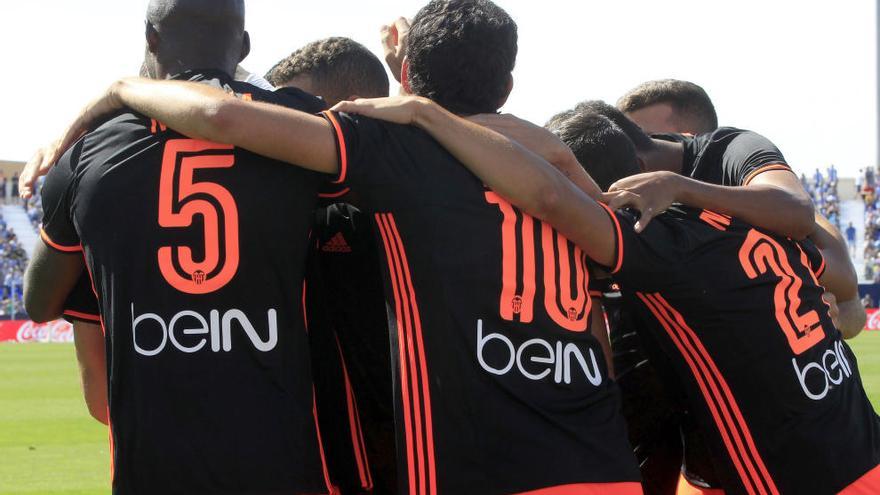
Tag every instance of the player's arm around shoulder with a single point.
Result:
(518, 175)
(203, 112)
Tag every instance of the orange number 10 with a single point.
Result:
(567, 307)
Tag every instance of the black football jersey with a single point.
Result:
(658, 423)
(499, 387)
(727, 156)
(739, 314)
(196, 252)
(348, 332)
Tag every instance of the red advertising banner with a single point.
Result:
(27, 331)
(873, 319)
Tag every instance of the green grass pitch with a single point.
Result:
(50, 445)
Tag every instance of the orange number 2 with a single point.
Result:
(761, 254)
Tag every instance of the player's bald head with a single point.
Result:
(196, 34)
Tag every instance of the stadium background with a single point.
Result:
(48, 441)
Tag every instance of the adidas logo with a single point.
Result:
(337, 244)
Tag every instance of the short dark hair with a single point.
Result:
(341, 67)
(461, 54)
(639, 138)
(600, 145)
(205, 34)
(686, 98)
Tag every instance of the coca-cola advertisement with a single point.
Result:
(23, 331)
(873, 319)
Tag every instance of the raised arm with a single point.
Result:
(203, 112)
(517, 174)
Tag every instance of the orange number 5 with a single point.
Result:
(181, 199)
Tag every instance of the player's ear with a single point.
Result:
(152, 38)
(404, 76)
(245, 46)
(507, 91)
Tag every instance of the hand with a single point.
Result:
(833, 308)
(44, 159)
(397, 109)
(394, 45)
(650, 193)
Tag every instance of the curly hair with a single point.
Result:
(461, 54)
(341, 67)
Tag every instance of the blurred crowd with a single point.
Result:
(823, 189)
(13, 261)
(866, 184)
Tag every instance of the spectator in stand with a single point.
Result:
(14, 196)
(868, 302)
(851, 239)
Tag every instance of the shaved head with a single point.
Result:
(194, 34)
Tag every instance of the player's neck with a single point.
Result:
(664, 155)
(171, 70)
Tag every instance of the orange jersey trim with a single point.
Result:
(685, 487)
(619, 263)
(343, 153)
(354, 423)
(717, 395)
(821, 270)
(868, 484)
(56, 246)
(336, 194)
(765, 168)
(623, 488)
(716, 220)
(415, 391)
(83, 316)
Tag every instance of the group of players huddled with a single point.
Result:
(419, 295)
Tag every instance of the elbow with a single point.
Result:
(546, 204)
(852, 318)
(854, 327)
(36, 309)
(99, 412)
(803, 219)
(216, 120)
(37, 312)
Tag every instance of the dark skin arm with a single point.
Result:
(49, 278)
(840, 278)
(90, 354)
(774, 200)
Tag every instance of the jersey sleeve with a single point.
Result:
(58, 230)
(749, 155)
(644, 261)
(360, 147)
(81, 303)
